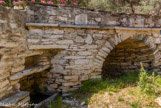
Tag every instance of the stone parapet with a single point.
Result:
(39, 13)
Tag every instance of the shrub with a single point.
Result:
(149, 84)
(84, 3)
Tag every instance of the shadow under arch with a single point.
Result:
(124, 54)
(126, 57)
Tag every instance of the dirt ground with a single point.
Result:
(129, 97)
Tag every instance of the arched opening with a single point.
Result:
(35, 84)
(126, 57)
(0, 57)
(36, 76)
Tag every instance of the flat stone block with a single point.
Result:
(13, 99)
(48, 46)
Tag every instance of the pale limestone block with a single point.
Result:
(106, 49)
(56, 36)
(81, 19)
(48, 46)
(18, 69)
(97, 36)
(108, 45)
(85, 53)
(89, 40)
(98, 19)
(61, 42)
(155, 35)
(4, 75)
(4, 83)
(79, 39)
(51, 12)
(84, 77)
(71, 78)
(33, 40)
(158, 41)
(62, 18)
(74, 57)
(100, 58)
(102, 54)
(81, 61)
(99, 61)
(98, 64)
(70, 83)
(54, 85)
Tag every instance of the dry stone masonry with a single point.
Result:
(57, 48)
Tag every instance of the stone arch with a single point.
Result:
(0, 57)
(112, 43)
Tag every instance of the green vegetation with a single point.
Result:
(110, 94)
(98, 85)
(51, 105)
(57, 103)
(149, 84)
(127, 6)
(131, 92)
(135, 104)
(120, 99)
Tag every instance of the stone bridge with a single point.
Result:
(57, 48)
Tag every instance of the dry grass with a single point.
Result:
(129, 97)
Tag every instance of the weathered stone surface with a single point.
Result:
(64, 42)
(82, 61)
(54, 85)
(97, 36)
(158, 41)
(85, 53)
(18, 69)
(4, 83)
(81, 19)
(13, 100)
(74, 57)
(28, 72)
(73, 78)
(48, 46)
(84, 77)
(89, 40)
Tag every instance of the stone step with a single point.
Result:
(13, 99)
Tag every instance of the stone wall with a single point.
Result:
(76, 16)
(84, 51)
(72, 45)
(13, 53)
(12, 47)
(12, 42)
